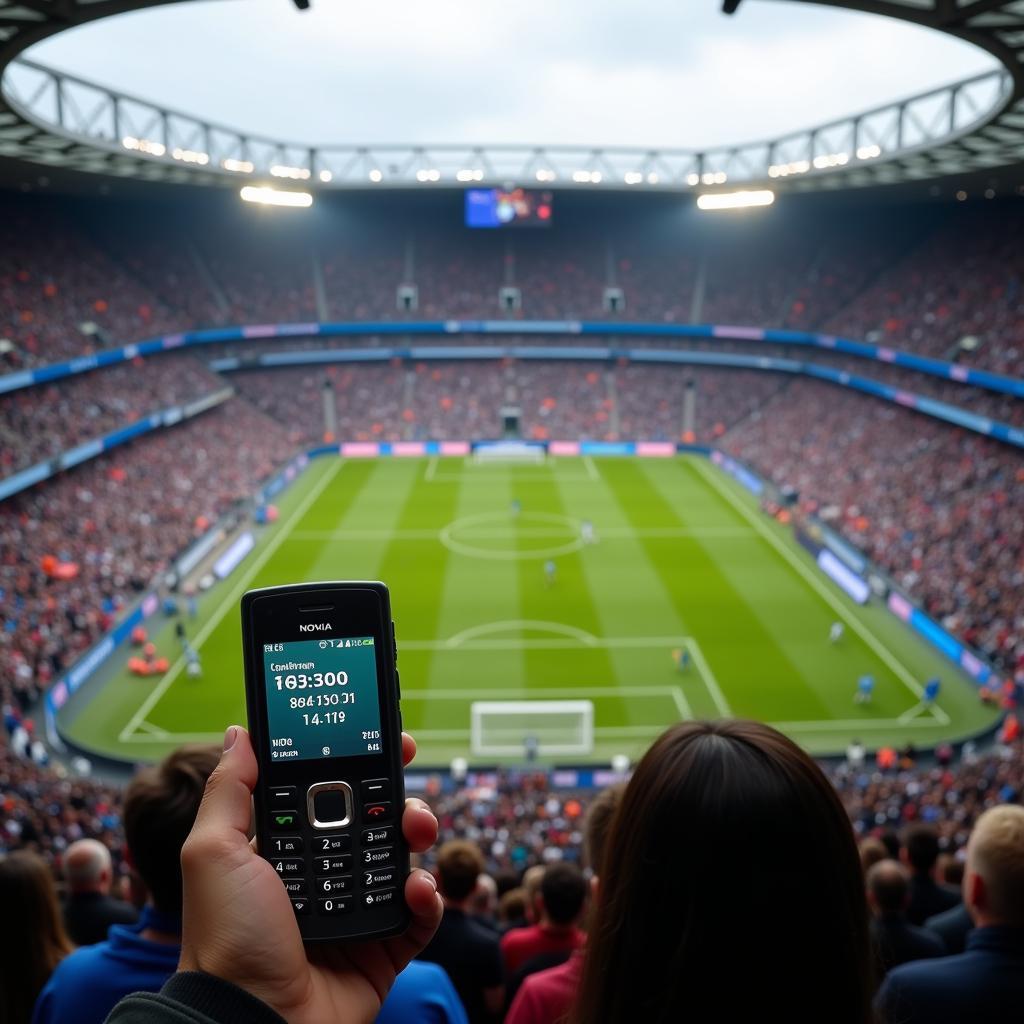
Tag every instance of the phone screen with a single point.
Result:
(322, 698)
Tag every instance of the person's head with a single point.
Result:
(730, 857)
(598, 824)
(532, 877)
(563, 891)
(88, 867)
(160, 808)
(33, 940)
(459, 865)
(871, 850)
(485, 897)
(888, 884)
(920, 849)
(512, 906)
(993, 884)
(950, 870)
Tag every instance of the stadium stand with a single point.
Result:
(109, 526)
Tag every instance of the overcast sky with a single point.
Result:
(640, 72)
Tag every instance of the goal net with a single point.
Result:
(554, 728)
(509, 451)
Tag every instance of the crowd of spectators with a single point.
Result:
(40, 423)
(937, 507)
(509, 862)
(79, 547)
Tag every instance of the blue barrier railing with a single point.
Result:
(604, 328)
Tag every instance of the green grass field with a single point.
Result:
(683, 559)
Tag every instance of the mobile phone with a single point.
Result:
(322, 692)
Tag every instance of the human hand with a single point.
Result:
(238, 923)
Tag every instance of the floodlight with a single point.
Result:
(735, 200)
(267, 196)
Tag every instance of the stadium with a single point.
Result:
(638, 437)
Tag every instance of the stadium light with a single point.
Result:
(237, 166)
(287, 171)
(868, 152)
(633, 177)
(326, 176)
(144, 145)
(267, 196)
(376, 175)
(428, 174)
(735, 200)
(693, 179)
(545, 174)
(190, 156)
(469, 174)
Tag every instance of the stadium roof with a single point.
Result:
(54, 119)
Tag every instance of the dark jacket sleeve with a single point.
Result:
(193, 998)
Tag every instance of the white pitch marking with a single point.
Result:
(831, 599)
(717, 696)
(580, 636)
(592, 470)
(431, 468)
(542, 532)
(230, 599)
(682, 704)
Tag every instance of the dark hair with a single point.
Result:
(33, 940)
(563, 890)
(512, 906)
(922, 845)
(732, 889)
(889, 886)
(160, 807)
(459, 865)
(598, 824)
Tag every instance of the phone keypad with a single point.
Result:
(334, 879)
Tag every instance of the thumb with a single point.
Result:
(226, 808)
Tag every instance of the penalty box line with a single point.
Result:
(230, 599)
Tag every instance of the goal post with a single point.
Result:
(558, 728)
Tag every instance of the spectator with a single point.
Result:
(160, 807)
(871, 850)
(467, 950)
(563, 893)
(921, 852)
(89, 909)
(984, 984)
(737, 891)
(485, 902)
(422, 993)
(32, 940)
(953, 927)
(896, 940)
(512, 910)
(547, 996)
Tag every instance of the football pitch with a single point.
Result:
(683, 560)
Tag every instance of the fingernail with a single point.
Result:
(432, 880)
(229, 737)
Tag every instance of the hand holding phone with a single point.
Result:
(322, 694)
(238, 923)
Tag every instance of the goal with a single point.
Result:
(509, 451)
(554, 728)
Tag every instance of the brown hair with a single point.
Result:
(459, 864)
(512, 906)
(732, 889)
(871, 850)
(598, 824)
(33, 940)
(160, 807)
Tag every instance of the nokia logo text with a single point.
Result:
(312, 627)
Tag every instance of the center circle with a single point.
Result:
(469, 535)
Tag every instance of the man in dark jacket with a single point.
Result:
(984, 984)
(896, 939)
(952, 926)
(919, 852)
(90, 910)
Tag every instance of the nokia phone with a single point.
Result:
(322, 692)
